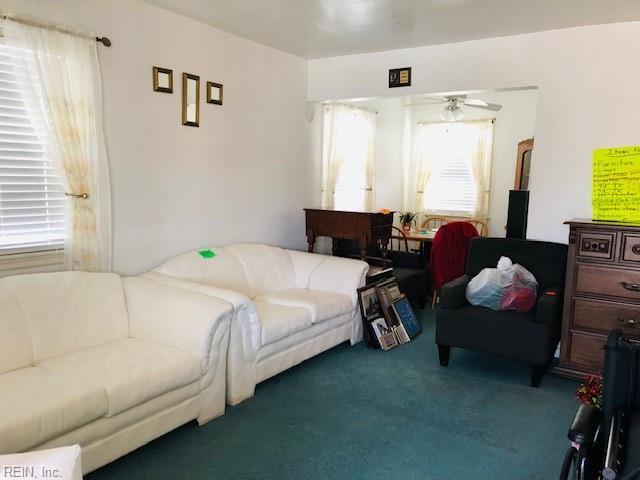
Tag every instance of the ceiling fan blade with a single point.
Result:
(436, 99)
(476, 102)
(489, 106)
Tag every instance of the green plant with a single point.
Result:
(407, 218)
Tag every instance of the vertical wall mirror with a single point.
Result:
(190, 100)
(214, 93)
(523, 164)
(162, 80)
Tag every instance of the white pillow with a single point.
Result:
(60, 463)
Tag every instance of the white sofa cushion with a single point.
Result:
(267, 268)
(37, 404)
(132, 371)
(70, 311)
(280, 321)
(224, 270)
(64, 463)
(15, 343)
(321, 305)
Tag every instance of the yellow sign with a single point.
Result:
(615, 193)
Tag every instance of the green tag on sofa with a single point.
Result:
(208, 253)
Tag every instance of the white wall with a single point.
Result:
(242, 176)
(588, 94)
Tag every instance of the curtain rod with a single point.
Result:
(103, 40)
(352, 105)
(425, 122)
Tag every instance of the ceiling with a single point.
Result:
(324, 28)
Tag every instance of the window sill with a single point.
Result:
(31, 262)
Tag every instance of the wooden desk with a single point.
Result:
(366, 228)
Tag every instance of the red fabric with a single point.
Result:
(518, 299)
(449, 252)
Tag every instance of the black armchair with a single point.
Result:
(530, 337)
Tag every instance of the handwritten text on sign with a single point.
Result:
(616, 184)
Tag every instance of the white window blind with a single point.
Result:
(33, 207)
(451, 188)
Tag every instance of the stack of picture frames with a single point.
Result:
(387, 316)
(163, 82)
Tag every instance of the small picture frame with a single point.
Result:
(162, 80)
(369, 310)
(369, 303)
(215, 93)
(388, 290)
(385, 335)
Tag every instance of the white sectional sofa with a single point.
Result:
(106, 362)
(288, 305)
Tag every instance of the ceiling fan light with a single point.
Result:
(453, 114)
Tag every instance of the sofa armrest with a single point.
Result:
(329, 274)
(245, 317)
(549, 307)
(174, 317)
(453, 294)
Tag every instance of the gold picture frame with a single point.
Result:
(215, 92)
(162, 80)
(190, 100)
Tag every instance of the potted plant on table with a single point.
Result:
(407, 219)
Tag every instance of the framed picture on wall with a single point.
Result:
(214, 93)
(162, 80)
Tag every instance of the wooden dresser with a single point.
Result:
(602, 292)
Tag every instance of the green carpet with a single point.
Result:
(357, 413)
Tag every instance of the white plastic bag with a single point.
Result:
(508, 287)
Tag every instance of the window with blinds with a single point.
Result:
(33, 207)
(452, 188)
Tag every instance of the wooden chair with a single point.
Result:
(481, 226)
(400, 240)
(431, 223)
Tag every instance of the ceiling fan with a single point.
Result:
(452, 104)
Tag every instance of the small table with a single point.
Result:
(424, 237)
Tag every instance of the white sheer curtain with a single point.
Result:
(348, 157)
(428, 146)
(481, 154)
(68, 72)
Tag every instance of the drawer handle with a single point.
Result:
(636, 249)
(629, 322)
(634, 287)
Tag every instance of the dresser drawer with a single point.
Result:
(615, 282)
(603, 316)
(630, 248)
(596, 244)
(587, 350)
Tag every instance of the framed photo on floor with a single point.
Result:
(384, 335)
(369, 310)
